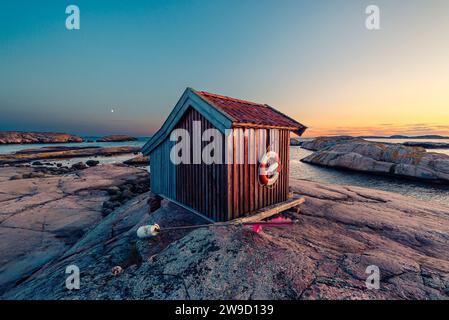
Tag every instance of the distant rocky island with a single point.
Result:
(380, 158)
(404, 137)
(117, 138)
(427, 145)
(17, 137)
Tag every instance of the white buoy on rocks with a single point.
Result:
(116, 270)
(148, 231)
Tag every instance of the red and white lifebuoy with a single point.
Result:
(269, 168)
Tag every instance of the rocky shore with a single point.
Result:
(138, 161)
(326, 142)
(16, 137)
(427, 145)
(87, 215)
(378, 158)
(341, 231)
(29, 155)
(116, 138)
(44, 215)
(295, 142)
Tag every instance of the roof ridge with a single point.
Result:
(229, 98)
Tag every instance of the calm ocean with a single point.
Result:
(299, 170)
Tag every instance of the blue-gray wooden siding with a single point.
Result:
(163, 171)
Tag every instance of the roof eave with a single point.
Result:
(218, 118)
(300, 127)
(300, 131)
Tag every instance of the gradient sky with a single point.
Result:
(313, 60)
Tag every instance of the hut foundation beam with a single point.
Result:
(270, 210)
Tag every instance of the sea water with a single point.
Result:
(298, 169)
(420, 190)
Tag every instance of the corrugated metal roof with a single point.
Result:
(246, 112)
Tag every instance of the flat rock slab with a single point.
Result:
(138, 161)
(40, 218)
(53, 149)
(62, 153)
(341, 231)
(7, 172)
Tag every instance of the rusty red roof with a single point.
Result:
(246, 112)
(224, 113)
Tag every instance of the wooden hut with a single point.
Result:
(233, 186)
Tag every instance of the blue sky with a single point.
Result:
(314, 60)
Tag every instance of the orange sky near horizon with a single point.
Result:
(408, 95)
(315, 61)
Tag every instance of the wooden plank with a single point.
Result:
(261, 150)
(256, 170)
(241, 166)
(229, 147)
(195, 166)
(268, 188)
(251, 157)
(287, 180)
(235, 177)
(285, 145)
(245, 180)
(213, 191)
(202, 190)
(271, 210)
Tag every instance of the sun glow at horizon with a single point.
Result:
(313, 60)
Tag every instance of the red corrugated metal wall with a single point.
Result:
(245, 190)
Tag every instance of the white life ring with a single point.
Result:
(269, 174)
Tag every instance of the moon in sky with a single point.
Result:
(112, 110)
